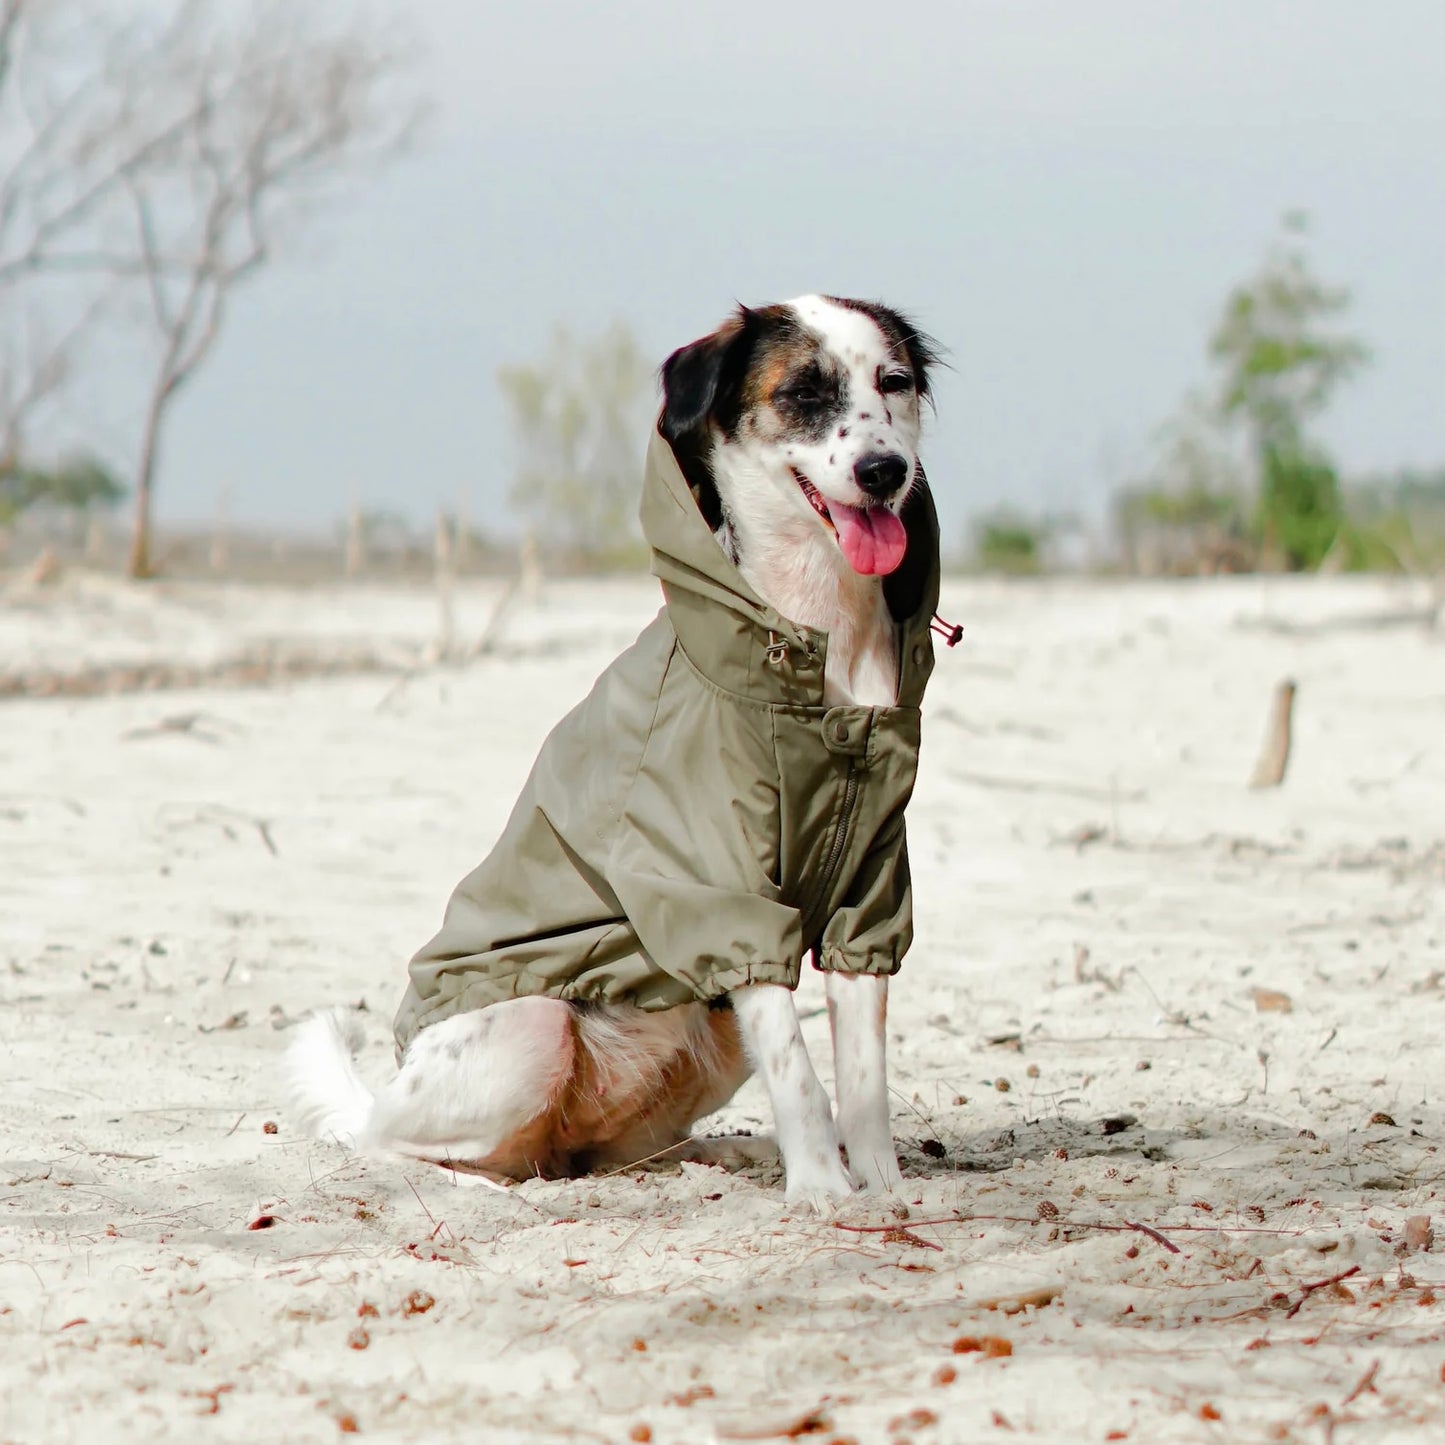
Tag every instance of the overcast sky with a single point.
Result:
(1061, 192)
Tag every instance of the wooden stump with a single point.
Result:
(1274, 758)
(445, 576)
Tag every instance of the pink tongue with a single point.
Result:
(872, 540)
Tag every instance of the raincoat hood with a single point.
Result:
(700, 821)
(724, 626)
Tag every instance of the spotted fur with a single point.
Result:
(783, 400)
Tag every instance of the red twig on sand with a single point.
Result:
(811, 1422)
(1366, 1385)
(422, 1202)
(886, 1228)
(895, 1233)
(437, 1225)
(1307, 1290)
(1154, 1235)
(900, 1233)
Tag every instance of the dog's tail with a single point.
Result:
(328, 1098)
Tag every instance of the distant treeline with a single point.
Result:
(1238, 480)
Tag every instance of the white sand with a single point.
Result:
(170, 900)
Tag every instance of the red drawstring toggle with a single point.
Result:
(950, 632)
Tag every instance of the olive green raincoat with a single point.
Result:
(700, 820)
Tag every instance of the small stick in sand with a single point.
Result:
(493, 629)
(46, 569)
(1274, 759)
(1153, 1234)
(1366, 1385)
(811, 1422)
(355, 536)
(220, 531)
(445, 577)
(462, 528)
(531, 570)
(893, 1231)
(1307, 1290)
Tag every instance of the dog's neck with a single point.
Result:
(803, 575)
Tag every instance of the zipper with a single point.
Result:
(840, 838)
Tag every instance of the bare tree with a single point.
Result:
(280, 110)
(169, 147)
(48, 184)
(34, 366)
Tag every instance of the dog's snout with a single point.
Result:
(881, 474)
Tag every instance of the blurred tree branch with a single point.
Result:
(168, 151)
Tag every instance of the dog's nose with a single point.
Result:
(881, 474)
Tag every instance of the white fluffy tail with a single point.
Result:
(327, 1097)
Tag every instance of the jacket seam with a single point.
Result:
(626, 797)
(740, 698)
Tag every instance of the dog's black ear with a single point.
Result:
(903, 588)
(922, 351)
(695, 377)
(702, 382)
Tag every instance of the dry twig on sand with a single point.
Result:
(1366, 1385)
(487, 639)
(906, 1236)
(810, 1422)
(1306, 1290)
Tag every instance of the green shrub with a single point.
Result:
(1005, 543)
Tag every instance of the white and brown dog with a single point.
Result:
(798, 427)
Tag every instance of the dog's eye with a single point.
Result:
(895, 381)
(801, 395)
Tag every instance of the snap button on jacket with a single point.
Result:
(700, 820)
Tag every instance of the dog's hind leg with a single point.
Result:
(648, 1077)
(469, 1085)
(858, 1013)
(478, 1088)
(733, 1152)
(768, 1022)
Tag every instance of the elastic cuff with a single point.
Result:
(725, 980)
(832, 959)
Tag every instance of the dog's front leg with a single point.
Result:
(858, 1013)
(768, 1023)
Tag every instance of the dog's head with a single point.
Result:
(801, 422)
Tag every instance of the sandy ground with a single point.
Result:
(1127, 1169)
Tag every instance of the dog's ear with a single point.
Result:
(922, 351)
(903, 587)
(695, 377)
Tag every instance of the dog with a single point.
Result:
(795, 429)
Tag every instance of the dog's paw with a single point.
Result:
(820, 1202)
(878, 1178)
(819, 1189)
